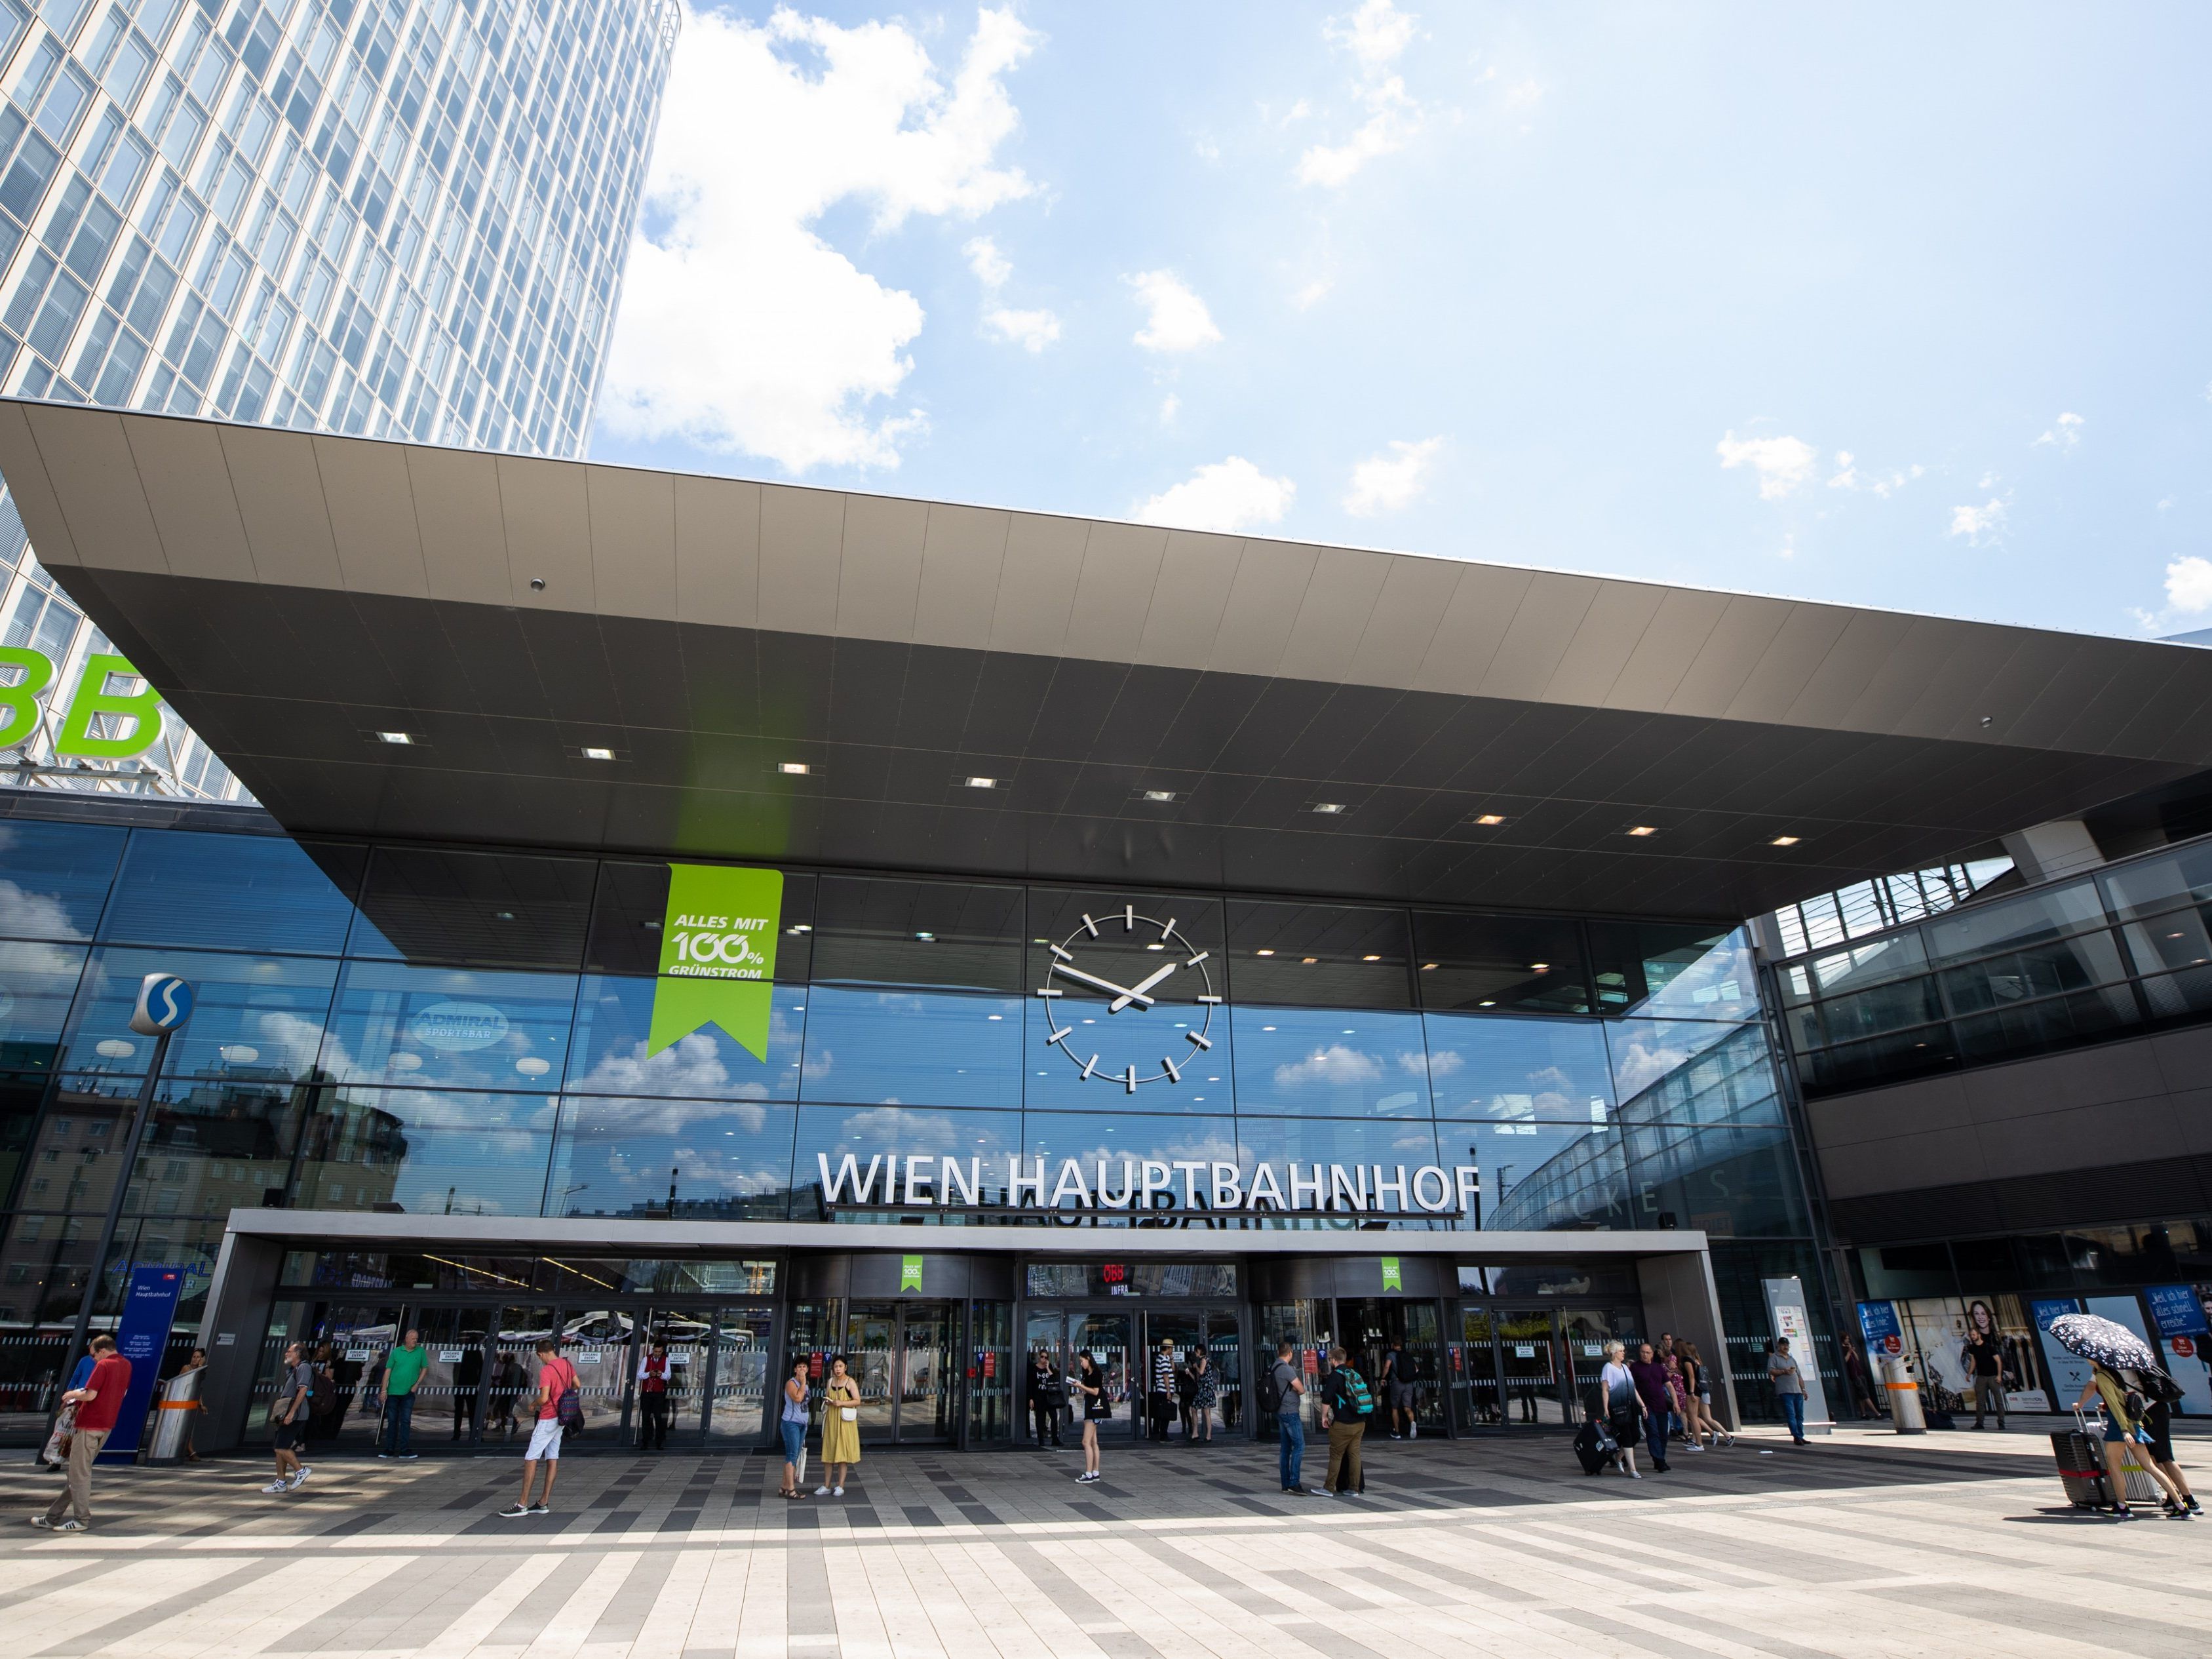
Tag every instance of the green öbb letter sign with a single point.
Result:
(717, 955)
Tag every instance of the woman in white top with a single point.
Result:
(1624, 1406)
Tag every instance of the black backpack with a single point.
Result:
(1271, 1397)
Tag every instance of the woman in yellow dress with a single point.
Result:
(840, 1429)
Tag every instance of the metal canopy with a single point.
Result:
(293, 594)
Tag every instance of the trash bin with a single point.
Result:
(173, 1416)
(1903, 1396)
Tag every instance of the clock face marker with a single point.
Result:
(1129, 1079)
(1200, 1038)
(1089, 1066)
(1061, 954)
(1128, 918)
(1199, 958)
(1215, 1000)
(1064, 1031)
(1173, 1071)
(1168, 932)
(1089, 927)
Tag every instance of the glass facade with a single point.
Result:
(2116, 954)
(443, 1032)
(401, 217)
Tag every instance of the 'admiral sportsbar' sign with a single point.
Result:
(898, 1180)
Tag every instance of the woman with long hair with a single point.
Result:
(791, 1424)
(1697, 1397)
(840, 1429)
(1091, 1395)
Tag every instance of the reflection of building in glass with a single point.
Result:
(401, 217)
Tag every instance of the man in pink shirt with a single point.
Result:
(98, 1403)
(556, 1377)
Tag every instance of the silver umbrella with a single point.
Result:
(2111, 1344)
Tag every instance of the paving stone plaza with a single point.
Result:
(1862, 1545)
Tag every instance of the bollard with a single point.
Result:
(1903, 1396)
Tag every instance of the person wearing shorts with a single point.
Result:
(556, 1377)
(288, 1420)
(1398, 1390)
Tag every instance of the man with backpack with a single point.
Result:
(559, 1407)
(1346, 1404)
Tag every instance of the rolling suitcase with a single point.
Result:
(2081, 1466)
(1593, 1447)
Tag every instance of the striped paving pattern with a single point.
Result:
(1863, 1546)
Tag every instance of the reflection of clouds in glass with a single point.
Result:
(1646, 1063)
(897, 1126)
(650, 1117)
(296, 1042)
(1442, 1064)
(691, 1066)
(42, 915)
(1208, 1144)
(1336, 1065)
(1421, 1142)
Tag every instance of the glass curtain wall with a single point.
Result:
(457, 1032)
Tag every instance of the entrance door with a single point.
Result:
(736, 1412)
(601, 1343)
(1408, 1335)
(1584, 1335)
(1528, 1353)
(453, 1374)
(1474, 1371)
(902, 1354)
(688, 1336)
(1188, 1331)
(346, 1345)
(1107, 1338)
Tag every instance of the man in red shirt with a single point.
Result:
(97, 1404)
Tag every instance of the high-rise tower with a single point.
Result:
(400, 217)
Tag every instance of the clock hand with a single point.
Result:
(1140, 987)
(1103, 984)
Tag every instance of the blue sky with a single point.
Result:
(1612, 289)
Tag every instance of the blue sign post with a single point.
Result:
(149, 1311)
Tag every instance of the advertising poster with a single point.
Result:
(143, 1334)
(1939, 1326)
(2180, 1313)
(2069, 1375)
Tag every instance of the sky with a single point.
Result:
(1905, 306)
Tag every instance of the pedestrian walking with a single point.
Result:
(1161, 1396)
(467, 1377)
(1091, 1395)
(840, 1429)
(1698, 1391)
(1985, 1360)
(1677, 1422)
(791, 1425)
(2158, 1430)
(1047, 1398)
(1651, 1391)
(1396, 1385)
(1624, 1406)
(2124, 1408)
(652, 1396)
(98, 1403)
(1205, 1394)
(1290, 1389)
(288, 1418)
(403, 1375)
(1858, 1383)
(1346, 1403)
(1788, 1389)
(556, 1380)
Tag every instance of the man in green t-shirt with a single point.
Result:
(403, 1373)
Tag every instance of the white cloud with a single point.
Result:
(1988, 481)
(2189, 584)
(1229, 494)
(1884, 485)
(1980, 524)
(2064, 433)
(1313, 292)
(1176, 319)
(1170, 406)
(1389, 483)
(741, 329)
(1335, 1064)
(1782, 463)
(1033, 331)
(1375, 35)
(992, 268)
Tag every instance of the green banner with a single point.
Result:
(910, 1273)
(717, 955)
(1392, 1278)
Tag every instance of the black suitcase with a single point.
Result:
(2081, 1468)
(1593, 1448)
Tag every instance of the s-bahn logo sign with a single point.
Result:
(717, 955)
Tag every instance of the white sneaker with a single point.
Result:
(1413, 1431)
(836, 1491)
(1693, 1446)
(1635, 1475)
(823, 1492)
(277, 1485)
(301, 1479)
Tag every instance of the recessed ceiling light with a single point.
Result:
(1308, 961)
(926, 938)
(1370, 958)
(598, 754)
(395, 737)
(1263, 953)
(1330, 806)
(1642, 829)
(1490, 820)
(794, 768)
(1784, 840)
(1428, 967)
(980, 783)
(1486, 1005)
(1540, 967)
(1162, 795)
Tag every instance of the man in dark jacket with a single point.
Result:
(1047, 1397)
